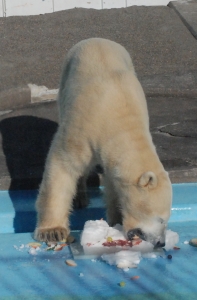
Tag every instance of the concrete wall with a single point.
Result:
(36, 7)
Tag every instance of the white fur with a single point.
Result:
(103, 120)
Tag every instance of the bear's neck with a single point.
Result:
(128, 158)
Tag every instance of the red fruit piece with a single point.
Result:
(176, 248)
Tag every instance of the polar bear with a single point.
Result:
(103, 119)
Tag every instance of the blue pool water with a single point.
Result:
(46, 276)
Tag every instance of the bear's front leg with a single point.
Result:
(54, 201)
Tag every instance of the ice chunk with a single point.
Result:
(116, 233)
(32, 251)
(154, 254)
(125, 269)
(99, 239)
(143, 247)
(123, 259)
(150, 255)
(171, 240)
(94, 231)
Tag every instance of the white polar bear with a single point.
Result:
(103, 119)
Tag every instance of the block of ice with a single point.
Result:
(159, 252)
(100, 240)
(171, 240)
(123, 259)
(116, 233)
(94, 231)
(143, 247)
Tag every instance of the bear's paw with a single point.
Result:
(57, 234)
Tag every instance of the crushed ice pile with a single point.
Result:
(125, 256)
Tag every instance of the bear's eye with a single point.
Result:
(162, 221)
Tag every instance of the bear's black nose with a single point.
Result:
(136, 232)
(160, 244)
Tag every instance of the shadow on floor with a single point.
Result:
(25, 142)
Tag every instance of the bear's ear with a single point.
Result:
(148, 179)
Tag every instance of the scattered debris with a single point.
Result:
(135, 277)
(33, 251)
(59, 247)
(70, 239)
(51, 247)
(122, 284)
(34, 245)
(71, 263)
(193, 242)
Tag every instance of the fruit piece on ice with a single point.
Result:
(171, 240)
(120, 243)
(98, 249)
(116, 232)
(109, 239)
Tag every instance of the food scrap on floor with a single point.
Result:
(193, 242)
(71, 263)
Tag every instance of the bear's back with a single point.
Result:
(92, 67)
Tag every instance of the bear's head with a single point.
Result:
(147, 209)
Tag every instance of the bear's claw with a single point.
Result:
(56, 234)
